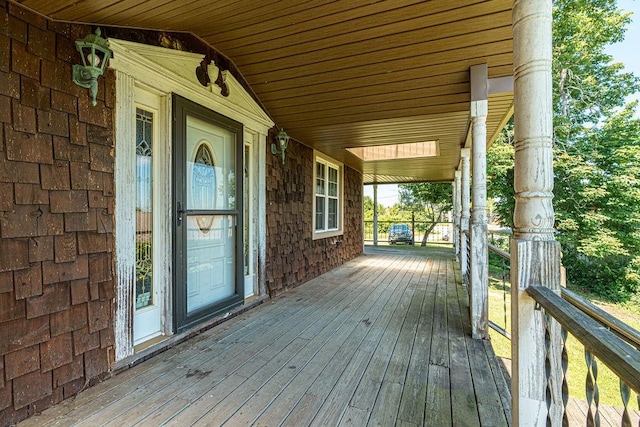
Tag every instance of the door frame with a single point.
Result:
(182, 108)
(148, 98)
(169, 71)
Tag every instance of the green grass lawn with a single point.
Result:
(608, 383)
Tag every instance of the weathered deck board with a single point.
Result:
(467, 407)
(198, 367)
(117, 387)
(330, 365)
(415, 391)
(262, 369)
(383, 340)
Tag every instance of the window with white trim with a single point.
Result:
(327, 203)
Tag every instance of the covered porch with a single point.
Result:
(374, 92)
(384, 339)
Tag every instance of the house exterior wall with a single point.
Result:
(292, 256)
(57, 204)
(56, 218)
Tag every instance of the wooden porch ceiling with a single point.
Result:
(338, 74)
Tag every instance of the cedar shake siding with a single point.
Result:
(56, 217)
(57, 244)
(292, 256)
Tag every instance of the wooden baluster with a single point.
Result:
(565, 385)
(591, 388)
(505, 277)
(625, 393)
(547, 367)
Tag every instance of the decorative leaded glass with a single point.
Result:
(204, 179)
(144, 204)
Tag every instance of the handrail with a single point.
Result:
(614, 352)
(502, 232)
(499, 329)
(498, 251)
(624, 331)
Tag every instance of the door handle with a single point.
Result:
(179, 212)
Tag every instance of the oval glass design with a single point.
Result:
(204, 179)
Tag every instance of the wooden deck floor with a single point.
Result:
(382, 340)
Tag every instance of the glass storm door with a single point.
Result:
(208, 206)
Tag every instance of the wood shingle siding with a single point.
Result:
(56, 230)
(293, 257)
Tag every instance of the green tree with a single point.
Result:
(368, 209)
(500, 160)
(431, 200)
(596, 152)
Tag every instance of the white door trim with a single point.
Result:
(153, 67)
(156, 102)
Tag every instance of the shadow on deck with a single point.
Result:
(382, 340)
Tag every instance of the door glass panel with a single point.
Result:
(211, 154)
(211, 243)
(144, 203)
(210, 217)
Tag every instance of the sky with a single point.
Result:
(625, 52)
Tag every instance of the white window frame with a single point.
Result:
(327, 162)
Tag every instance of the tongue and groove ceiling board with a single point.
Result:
(341, 74)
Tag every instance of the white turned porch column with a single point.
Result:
(375, 214)
(535, 256)
(479, 251)
(464, 213)
(457, 209)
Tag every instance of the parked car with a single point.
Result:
(400, 233)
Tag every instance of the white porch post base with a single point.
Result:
(479, 282)
(534, 263)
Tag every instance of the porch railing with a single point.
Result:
(599, 343)
(502, 257)
(604, 338)
(466, 277)
(442, 232)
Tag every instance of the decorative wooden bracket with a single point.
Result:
(220, 81)
(202, 71)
